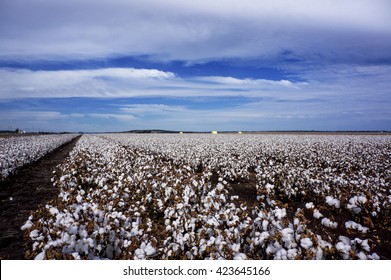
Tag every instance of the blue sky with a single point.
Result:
(83, 65)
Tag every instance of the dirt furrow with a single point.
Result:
(23, 192)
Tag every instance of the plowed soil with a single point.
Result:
(23, 192)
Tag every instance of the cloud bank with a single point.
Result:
(199, 31)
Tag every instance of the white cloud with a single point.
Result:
(123, 82)
(342, 82)
(23, 115)
(255, 83)
(41, 120)
(106, 82)
(120, 117)
(336, 96)
(150, 108)
(192, 31)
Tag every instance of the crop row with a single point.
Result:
(19, 151)
(218, 197)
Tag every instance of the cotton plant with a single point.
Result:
(16, 152)
(138, 196)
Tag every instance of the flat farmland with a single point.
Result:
(225, 196)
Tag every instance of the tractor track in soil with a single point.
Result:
(23, 192)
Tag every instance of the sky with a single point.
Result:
(249, 65)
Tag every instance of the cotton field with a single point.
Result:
(19, 151)
(199, 196)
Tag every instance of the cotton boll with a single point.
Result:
(269, 188)
(306, 243)
(90, 242)
(356, 226)
(328, 223)
(362, 199)
(354, 209)
(79, 198)
(317, 214)
(84, 249)
(83, 233)
(319, 253)
(291, 254)
(53, 211)
(27, 225)
(363, 244)
(332, 201)
(309, 205)
(34, 234)
(286, 232)
(76, 215)
(343, 249)
(279, 213)
(35, 246)
(281, 255)
(270, 249)
(40, 256)
(362, 256)
(265, 224)
(345, 240)
(73, 229)
(287, 237)
(261, 238)
(235, 247)
(240, 256)
(374, 256)
(149, 250)
(76, 256)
